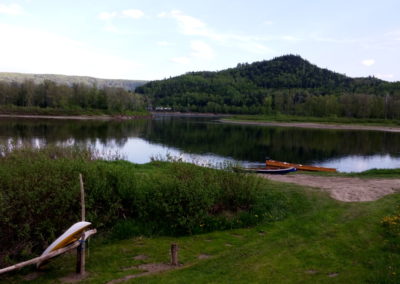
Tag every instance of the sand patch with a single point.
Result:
(347, 189)
(150, 268)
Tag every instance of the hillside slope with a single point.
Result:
(128, 85)
(261, 87)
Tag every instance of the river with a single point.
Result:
(209, 142)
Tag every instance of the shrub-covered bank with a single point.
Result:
(39, 198)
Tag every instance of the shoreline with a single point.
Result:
(314, 125)
(77, 117)
(346, 189)
(188, 114)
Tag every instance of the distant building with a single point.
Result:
(163, 108)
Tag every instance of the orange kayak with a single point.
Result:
(272, 163)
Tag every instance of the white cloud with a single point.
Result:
(192, 26)
(52, 53)
(201, 50)
(290, 38)
(107, 15)
(385, 76)
(11, 9)
(368, 62)
(130, 13)
(164, 43)
(133, 13)
(181, 60)
(188, 25)
(268, 23)
(394, 35)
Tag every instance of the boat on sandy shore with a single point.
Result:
(268, 170)
(272, 163)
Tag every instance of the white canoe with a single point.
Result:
(71, 235)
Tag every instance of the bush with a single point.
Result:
(40, 198)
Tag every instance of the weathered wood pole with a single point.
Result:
(82, 197)
(174, 254)
(80, 251)
(80, 256)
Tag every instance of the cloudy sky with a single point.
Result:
(156, 39)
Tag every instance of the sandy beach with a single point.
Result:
(316, 125)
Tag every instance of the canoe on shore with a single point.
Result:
(278, 164)
(268, 170)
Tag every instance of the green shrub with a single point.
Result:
(40, 198)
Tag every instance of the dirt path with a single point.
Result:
(346, 189)
(316, 125)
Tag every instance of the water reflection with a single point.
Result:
(205, 141)
(363, 163)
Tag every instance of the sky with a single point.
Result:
(154, 39)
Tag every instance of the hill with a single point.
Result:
(287, 84)
(129, 85)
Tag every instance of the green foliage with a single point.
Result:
(332, 242)
(391, 231)
(51, 98)
(380, 173)
(39, 198)
(286, 84)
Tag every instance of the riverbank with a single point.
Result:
(313, 125)
(188, 114)
(347, 189)
(274, 231)
(78, 117)
(332, 242)
(74, 114)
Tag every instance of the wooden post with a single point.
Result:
(174, 254)
(80, 251)
(80, 256)
(82, 197)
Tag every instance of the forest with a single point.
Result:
(284, 85)
(64, 97)
(287, 84)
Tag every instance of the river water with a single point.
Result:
(209, 142)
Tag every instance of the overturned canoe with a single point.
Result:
(71, 235)
(278, 164)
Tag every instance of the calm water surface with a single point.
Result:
(206, 141)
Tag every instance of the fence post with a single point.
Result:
(80, 251)
(174, 254)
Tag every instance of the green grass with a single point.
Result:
(332, 242)
(379, 173)
(330, 120)
(373, 173)
(16, 110)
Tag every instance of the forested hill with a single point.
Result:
(128, 85)
(287, 84)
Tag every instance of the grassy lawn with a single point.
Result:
(332, 242)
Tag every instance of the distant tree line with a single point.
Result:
(287, 84)
(77, 96)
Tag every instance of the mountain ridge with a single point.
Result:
(129, 85)
(286, 84)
